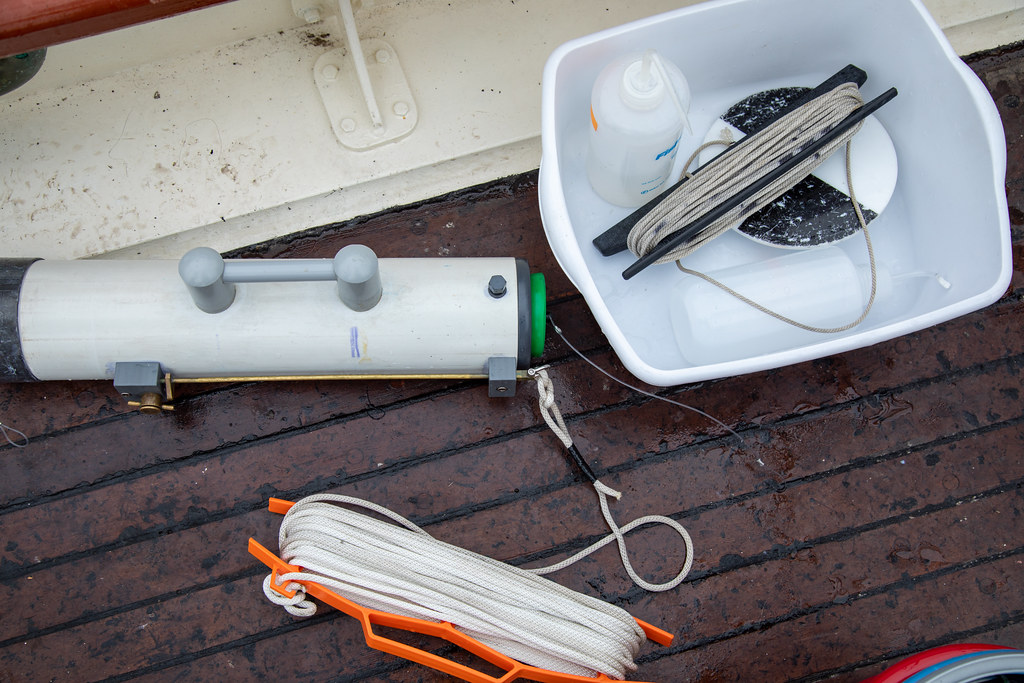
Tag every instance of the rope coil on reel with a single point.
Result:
(395, 566)
(727, 174)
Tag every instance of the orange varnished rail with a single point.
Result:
(27, 25)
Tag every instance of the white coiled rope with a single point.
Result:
(395, 566)
(386, 562)
(727, 174)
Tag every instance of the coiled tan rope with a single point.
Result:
(727, 174)
(796, 323)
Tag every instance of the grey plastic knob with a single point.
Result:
(358, 273)
(202, 270)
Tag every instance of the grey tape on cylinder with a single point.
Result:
(525, 314)
(13, 367)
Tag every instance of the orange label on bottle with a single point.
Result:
(593, 120)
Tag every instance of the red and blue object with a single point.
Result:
(964, 663)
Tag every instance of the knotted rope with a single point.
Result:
(553, 417)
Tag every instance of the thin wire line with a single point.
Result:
(604, 372)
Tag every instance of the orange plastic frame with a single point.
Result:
(369, 617)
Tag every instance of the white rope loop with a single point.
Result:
(553, 417)
(297, 604)
(392, 565)
(7, 430)
(618, 535)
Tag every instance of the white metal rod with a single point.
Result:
(352, 35)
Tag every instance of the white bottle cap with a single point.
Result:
(642, 84)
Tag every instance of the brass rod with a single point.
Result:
(292, 378)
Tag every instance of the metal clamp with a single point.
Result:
(501, 377)
(145, 385)
(364, 89)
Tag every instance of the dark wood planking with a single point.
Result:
(211, 546)
(170, 618)
(718, 609)
(896, 474)
(219, 483)
(1002, 74)
(812, 645)
(245, 414)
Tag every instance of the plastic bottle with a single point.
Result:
(820, 287)
(638, 109)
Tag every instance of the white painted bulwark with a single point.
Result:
(209, 129)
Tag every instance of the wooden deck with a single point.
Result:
(875, 509)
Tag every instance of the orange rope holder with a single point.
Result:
(368, 618)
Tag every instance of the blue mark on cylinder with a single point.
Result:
(354, 341)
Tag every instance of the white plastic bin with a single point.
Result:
(948, 214)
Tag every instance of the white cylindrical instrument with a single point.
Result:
(63, 320)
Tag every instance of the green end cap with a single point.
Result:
(538, 314)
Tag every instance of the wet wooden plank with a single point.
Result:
(770, 514)
(810, 647)
(717, 608)
(240, 478)
(505, 453)
(1002, 75)
(767, 512)
(174, 620)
